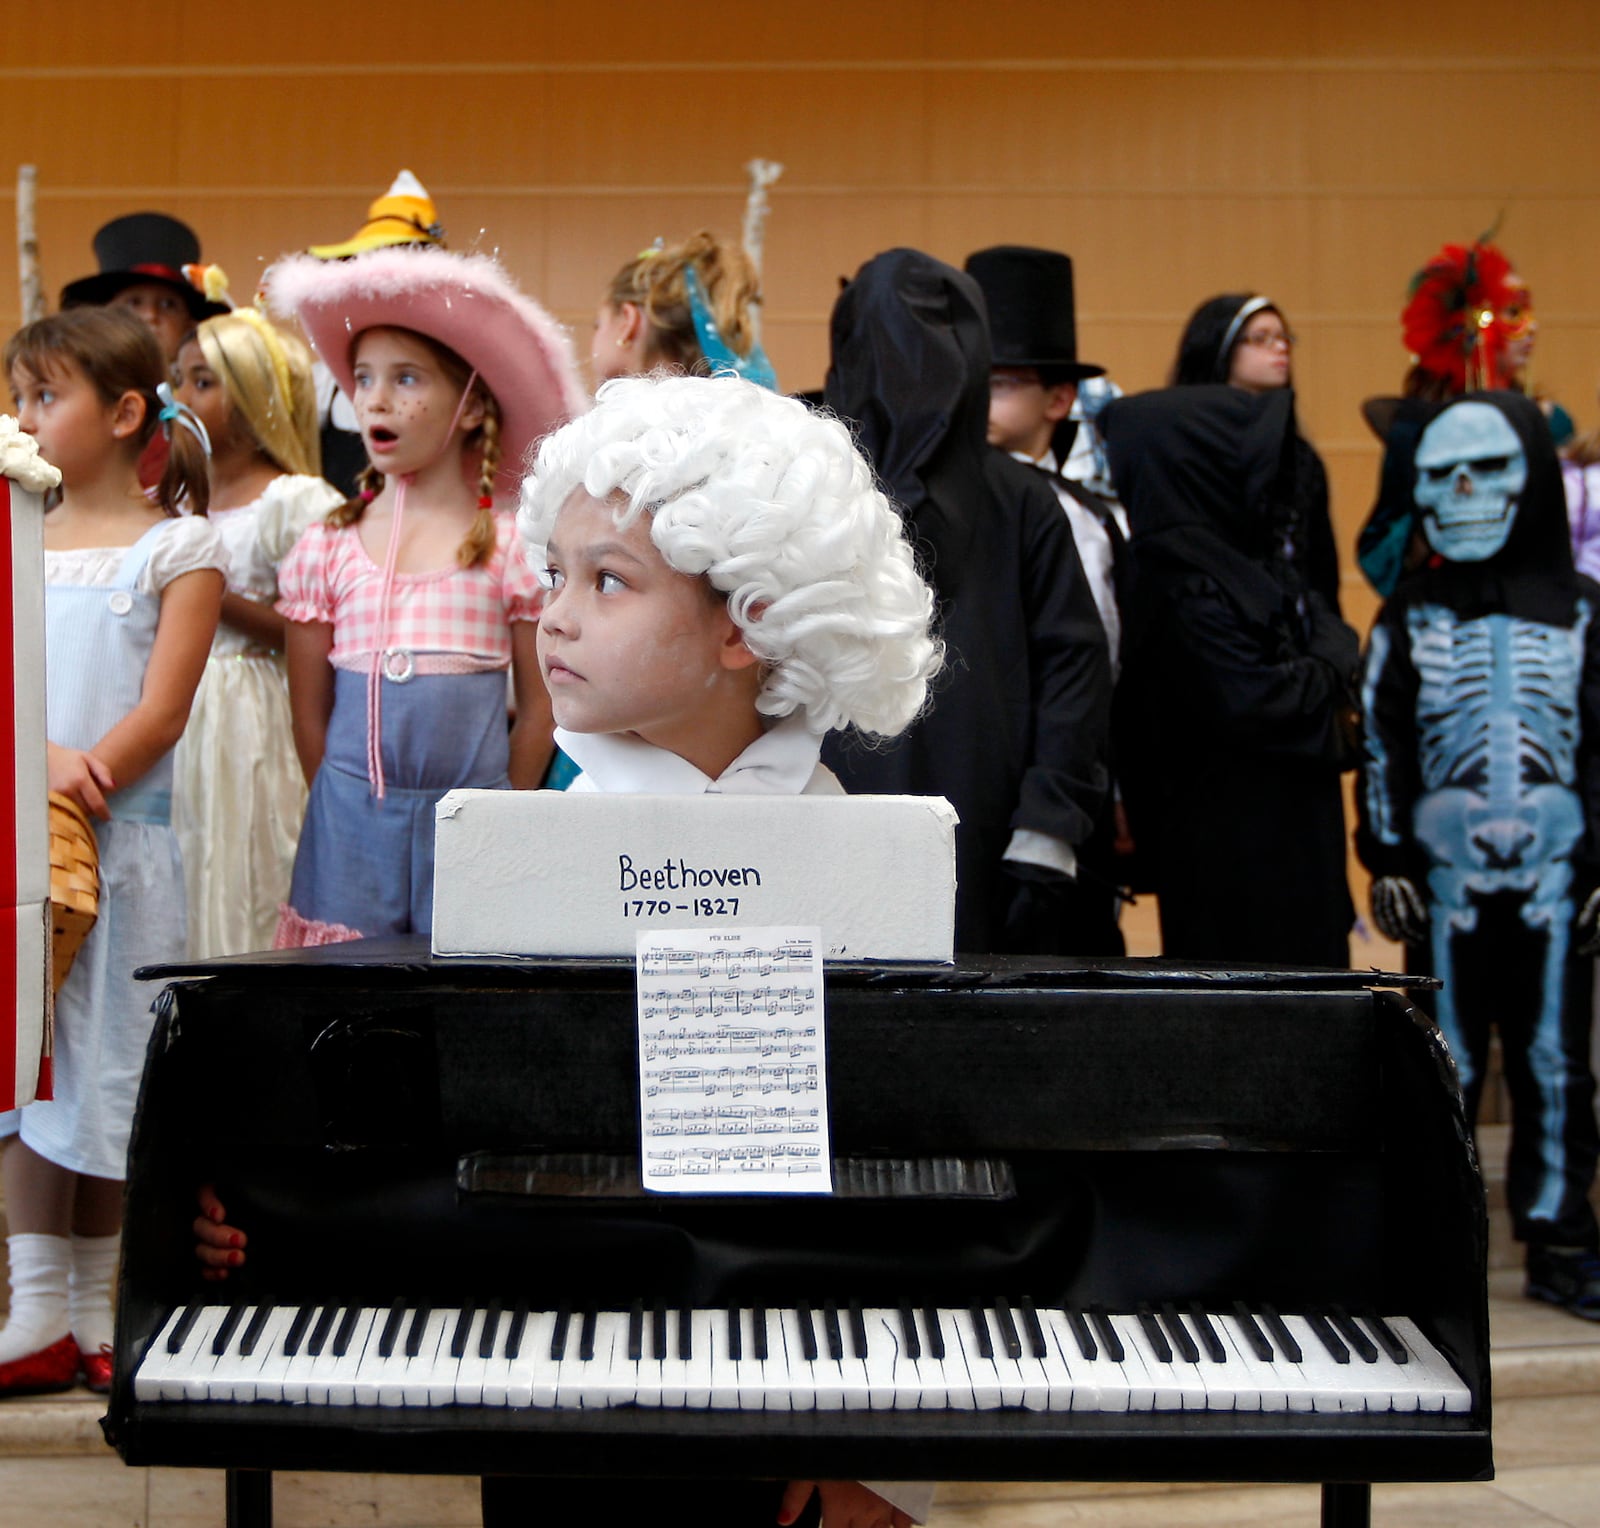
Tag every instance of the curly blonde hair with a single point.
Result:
(776, 508)
(657, 283)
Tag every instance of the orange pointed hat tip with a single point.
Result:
(404, 214)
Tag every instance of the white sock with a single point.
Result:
(39, 1265)
(94, 1266)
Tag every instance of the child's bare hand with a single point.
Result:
(845, 1504)
(79, 774)
(218, 1245)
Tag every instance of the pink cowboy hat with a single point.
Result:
(466, 302)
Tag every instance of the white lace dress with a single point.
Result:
(238, 795)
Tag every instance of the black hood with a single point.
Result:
(910, 371)
(1532, 576)
(1205, 474)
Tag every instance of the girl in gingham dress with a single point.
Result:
(409, 604)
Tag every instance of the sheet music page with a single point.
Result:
(733, 1085)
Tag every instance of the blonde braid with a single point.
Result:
(479, 545)
(369, 484)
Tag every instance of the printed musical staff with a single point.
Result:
(732, 1061)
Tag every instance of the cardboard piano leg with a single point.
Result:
(1346, 1505)
(249, 1498)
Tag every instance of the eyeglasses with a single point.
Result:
(1267, 339)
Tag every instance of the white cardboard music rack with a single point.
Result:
(24, 817)
(556, 874)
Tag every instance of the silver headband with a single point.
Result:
(1231, 333)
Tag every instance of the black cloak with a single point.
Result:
(1236, 708)
(1017, 730)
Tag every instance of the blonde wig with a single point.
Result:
(267, 377)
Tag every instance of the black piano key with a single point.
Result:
(636, 1331)
(685, 1333)
(910, 1341)
(735, 1335)
(252, 1333)
(346, 1330)
(1252, 1333)
(1010, 1338)
(591, 1318)
(390, 1334)
(515, 1327)
(297, 1330)
(319, 1333)
(558, 1333)
(1081, 1333)
(831, 1330)
(1216, 1351)
(491, 1325)
(180, 1333)
(1329, 1338)
(1110, 1338)
(463, 1330)
(1385, 1334)
(1280, 1334)
(1032, 1329)
(414, 1333)
(658, 1329)
(930, 1319)
(758, 1334)
(224, 1334)
(858, 1329)
(1153, 1333)
(1360, 1344)
(980, 1329)
(808, 1332)
(1183, 1344)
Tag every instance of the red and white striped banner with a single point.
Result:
(24, 814)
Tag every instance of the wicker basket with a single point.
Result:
(74, 883)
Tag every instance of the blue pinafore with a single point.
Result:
(98, 640)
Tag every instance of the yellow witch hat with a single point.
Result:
(404, 214)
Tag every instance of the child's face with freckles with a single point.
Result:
(628, 644)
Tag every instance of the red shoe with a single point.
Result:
(96, 1368)
(51, 1368)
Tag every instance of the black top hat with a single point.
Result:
(1032, 319)
(143, 246)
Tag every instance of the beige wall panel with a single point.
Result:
(281, 132)
(1139, 133)
(958, 29)
(814, 240)
(1421, 130)
(1468, 28)
(104, 131)
(860, 128)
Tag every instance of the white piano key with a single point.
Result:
(1218, 1379)
(771, 1371)
(1254, 1387)
(416, 1378)
(190, 1373)
(234, 1377)
(297, 1373)
(735, 1382)
(827, 1372)
(147, 1378)
(1060, 1377)
(1334, 1386)
(981, 1371)
(604, 1380)
(798, 1374)
(1164, 1386)
(274, 1365)
(933, 1373)
(1439, 1378)
(707, 1360)
(468, 1390)
(531, 1371)
(497, 1366)
(340, 1374)
(371, 1367)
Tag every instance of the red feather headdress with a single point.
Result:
(1464, 305)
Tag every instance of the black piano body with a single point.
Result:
(1172, 1134)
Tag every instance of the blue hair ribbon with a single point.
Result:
(174, 412)
(754, 367)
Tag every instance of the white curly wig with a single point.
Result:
(779, 510)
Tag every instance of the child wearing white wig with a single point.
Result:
(726, 583)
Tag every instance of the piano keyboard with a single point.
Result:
(827, 1357)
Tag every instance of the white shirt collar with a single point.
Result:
(779, 763)
(1047, 462)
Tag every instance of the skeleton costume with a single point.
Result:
(1482, 792)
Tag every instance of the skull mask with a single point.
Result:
(1470, 469)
